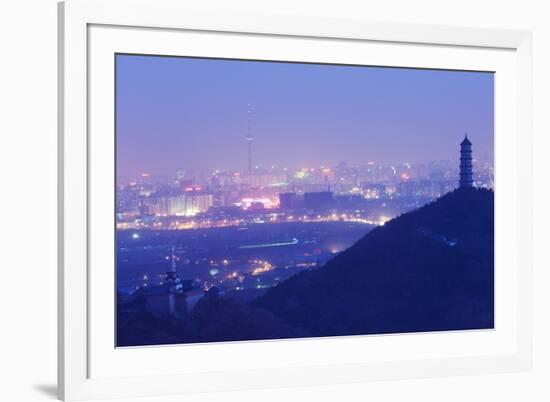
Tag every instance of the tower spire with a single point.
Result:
(172, 277)
(249, 138)
(173, 281)
(172, 260)
(466, 174)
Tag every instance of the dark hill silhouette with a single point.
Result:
(212, 320)
(427, 270)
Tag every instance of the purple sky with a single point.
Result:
(175, 113)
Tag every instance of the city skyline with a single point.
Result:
(244, 224)
(300, 114)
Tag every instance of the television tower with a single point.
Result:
(249, 138)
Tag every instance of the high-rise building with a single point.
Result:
(189, 204)
(466, 175)
(197, 203)
(374, 191)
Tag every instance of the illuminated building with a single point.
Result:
(256, 206)
(390, 189)
(255, 202)
(425, 188)
(165, 206)
(197, 203)
(185, 184)
(266, 180)
(179, 205)
(374, 191)
(466, 179)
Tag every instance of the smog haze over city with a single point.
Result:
(237, 178)
(193, 112)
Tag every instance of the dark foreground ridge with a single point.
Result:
(427, 270)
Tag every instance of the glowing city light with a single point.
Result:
(383, 220)
(267, 203)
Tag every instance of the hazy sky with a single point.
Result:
(187, 113)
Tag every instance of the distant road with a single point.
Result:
(288, 243)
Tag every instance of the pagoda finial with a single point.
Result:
(173, 259)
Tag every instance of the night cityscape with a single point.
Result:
(226, 224)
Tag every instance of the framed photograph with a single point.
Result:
(252, 201)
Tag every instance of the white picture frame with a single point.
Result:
(91, 28)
